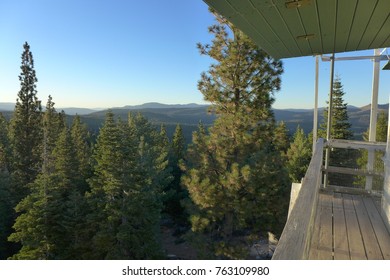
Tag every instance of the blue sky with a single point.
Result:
(112, 53)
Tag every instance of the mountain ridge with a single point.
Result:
(189, 116)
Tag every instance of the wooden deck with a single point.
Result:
(349, 227)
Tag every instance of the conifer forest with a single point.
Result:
(66, 193)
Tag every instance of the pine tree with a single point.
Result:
(235, 175)
(81, 142)
(125, 198)
(298, 156)
(25, 129)
(69, 203)
(6, 211)
(282, 141)
(52, 127)
(175, 192)
(32, 227)
(341, 129)
(51, 215)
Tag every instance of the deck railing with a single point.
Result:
(355, 165)
(294, 243)
(296, 236)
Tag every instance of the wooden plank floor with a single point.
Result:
(349, 227)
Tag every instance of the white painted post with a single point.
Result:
(329, 125)
(315, 117)
(373, 116)
(386, 184)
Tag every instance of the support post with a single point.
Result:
(329, 124)
(315, 115)
(373, 116)
(386, 183)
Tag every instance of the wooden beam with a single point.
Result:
(315, 115)
(294, 244)
(373, 252)
(355, 241)
(329, 124)
(373, 116)
(353, 191)
(351, 171)
(351, 144)
(381, 233)
(340, 240)
(386, 183)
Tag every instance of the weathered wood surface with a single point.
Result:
(313, 250)
(340, 242)
(352, 171)
(358, 230)
(380, 229)
(296, 237)
(357, 191)
(351, 144)
(370, 241)
(325, 243)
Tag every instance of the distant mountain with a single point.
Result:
(380, 107)
(77, 111)
(8, 106)
(170, 114)
(359, 118)
(189, 116)
(156, 105)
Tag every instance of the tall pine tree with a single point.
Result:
(175, 192)
(125, 196)
(82, 143)
(235, 175)
(340, 129)
(26, 129)
(341, 126)
(298, 156)
(51, 215)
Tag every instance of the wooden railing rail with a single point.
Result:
(369, 171)
(352, 144)
(295, 240)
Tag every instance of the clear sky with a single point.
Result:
(111, 53)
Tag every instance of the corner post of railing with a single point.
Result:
(373, 117)
(315, 113)
(329, 124)
(386, 183)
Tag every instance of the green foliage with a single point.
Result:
(81, 140)
(299, 156)
(175, 194)
(52, 126)
(235, 175)
(48, 226)
(6, 211)
(341, 129)
(381, 136)
(126, 189)
(25, 127)
(281, 138)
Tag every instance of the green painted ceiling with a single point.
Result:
(286, 28)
